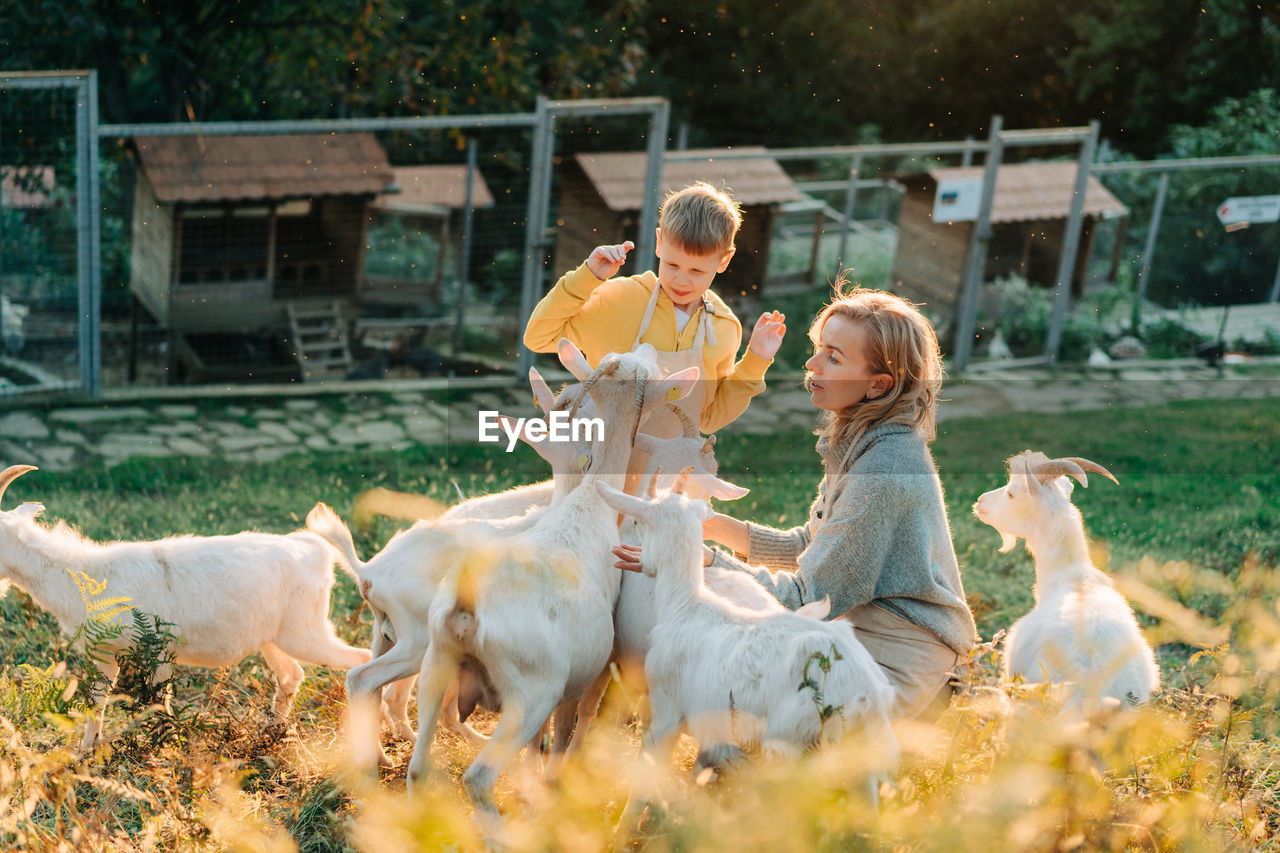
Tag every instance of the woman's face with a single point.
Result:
(839, 374)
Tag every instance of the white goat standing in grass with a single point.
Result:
(537, 610)
(400, 582)
(1081, 631)
(740, 678)
(227, 596)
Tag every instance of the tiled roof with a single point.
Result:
(279, 166)
(1031, 191)
(619, 177)
(426, 189)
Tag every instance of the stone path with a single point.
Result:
(266, 428)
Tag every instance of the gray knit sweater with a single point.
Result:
(886, 540)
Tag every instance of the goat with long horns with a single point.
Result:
(1081, 632)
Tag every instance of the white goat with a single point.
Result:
(400, 582)
(537, 610)
(1081, 630)
(736, 677)
(635, 615)
(227, 596)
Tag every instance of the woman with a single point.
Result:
(877, 542)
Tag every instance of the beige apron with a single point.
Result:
(661, 422)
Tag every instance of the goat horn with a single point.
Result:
(12, 473)
(709, 443)
(682, 480)
(652, 489)
(1045, 472)
(1093, 466)
(686, 423)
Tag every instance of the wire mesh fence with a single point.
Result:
(40, 293)
(382, 248)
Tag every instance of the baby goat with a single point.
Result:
(227, 596)
(537, 610)
(1081, 630)
(737, 677)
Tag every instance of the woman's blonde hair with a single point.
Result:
(900, 342)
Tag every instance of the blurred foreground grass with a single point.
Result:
(1193, 532)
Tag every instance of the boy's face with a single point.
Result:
(685, 276)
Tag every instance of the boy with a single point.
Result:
(675, 310)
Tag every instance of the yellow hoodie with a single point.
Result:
(604, 316)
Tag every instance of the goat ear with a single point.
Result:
(573, 360)
(541, 391)
(622, 502)
(720, 489)
(1007, 541)
(681, 381)
(28, 511)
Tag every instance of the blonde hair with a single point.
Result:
(900, 342)
(700, 219)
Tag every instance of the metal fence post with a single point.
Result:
(1149, 250)
(531, 280)
(967, 310)
(88, 242)
(1070, 245)
(656, 147)
(464, 262)
(850, 201)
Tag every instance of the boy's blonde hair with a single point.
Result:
(700, 219)
(900, 342)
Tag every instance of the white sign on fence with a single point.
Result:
(957, 200)
(1249, 209)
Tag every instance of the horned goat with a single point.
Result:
(537, 610)
(226, 596)
(1081, 631)
(738, 677)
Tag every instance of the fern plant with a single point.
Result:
(823, 662)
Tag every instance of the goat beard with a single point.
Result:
(1007, 541)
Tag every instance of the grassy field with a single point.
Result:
(1192, 531)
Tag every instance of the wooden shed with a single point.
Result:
(602, 193)
(430, 199)
(1028, 219)
(229, 230)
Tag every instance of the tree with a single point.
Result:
(221, 59)
(1196, 260)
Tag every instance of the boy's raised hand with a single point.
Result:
(605, 261)
(766, 337)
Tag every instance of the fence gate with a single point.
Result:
(49, 274)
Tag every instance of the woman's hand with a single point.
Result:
(629, 557)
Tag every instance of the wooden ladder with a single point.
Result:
(320, 339)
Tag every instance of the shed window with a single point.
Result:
(224, 244)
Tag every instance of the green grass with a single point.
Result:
(1195, 515)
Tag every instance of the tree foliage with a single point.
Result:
(226, 60)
